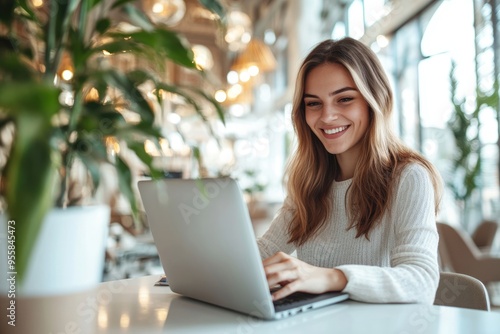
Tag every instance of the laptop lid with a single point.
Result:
(207, 246)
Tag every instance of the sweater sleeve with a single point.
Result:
(414, 272)
(276, 237)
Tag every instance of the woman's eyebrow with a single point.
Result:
(341, 90)
(338, 91)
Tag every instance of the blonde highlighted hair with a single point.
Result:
(312, 170)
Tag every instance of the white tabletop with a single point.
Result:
(137, 306)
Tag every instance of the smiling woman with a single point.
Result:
(336, 112)
(360, 209)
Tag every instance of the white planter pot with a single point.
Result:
(68, 255)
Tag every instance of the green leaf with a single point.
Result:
(142, 130)
(29, 97)
(56, 30)
(125, 183)
(141, 153)
(13, 68)
(91, 145)
(185, 95)
(100, 119)
(100, 85)
(91, 150)
(94, 3)
(466, 164)
(196, 153)
(94, 169)
(30, 170)
(133, 95)
(164, 42)
(102, 25)
(78, 50)
(214, 6)
(7, 12)
(140, 76)
(85, 7)
(29, 14)
(6, 45)
(31, 173)
(120, 3)
(118, 46)
(217, 105)
(137, 17)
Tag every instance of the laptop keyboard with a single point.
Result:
(308, 300)
(297, 298)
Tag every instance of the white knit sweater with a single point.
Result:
(398, 264)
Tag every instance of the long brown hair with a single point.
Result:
(312, 170)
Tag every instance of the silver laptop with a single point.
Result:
(208, 249)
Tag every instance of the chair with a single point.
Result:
(484, 235)
(458, 253)
(460, 290)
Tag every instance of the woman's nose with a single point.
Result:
(329, 114)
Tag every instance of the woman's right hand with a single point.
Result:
(296, 275)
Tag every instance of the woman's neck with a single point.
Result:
(347, 164)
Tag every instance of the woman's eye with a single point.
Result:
(345, 99)
(312, 104)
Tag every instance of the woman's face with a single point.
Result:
(335, 110)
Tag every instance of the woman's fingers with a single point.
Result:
(286, 290)
(284, 270)
(295, 275)
(276, 258)
(278, 264)
(282, 277)
(280, 269)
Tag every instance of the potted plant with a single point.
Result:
(465, 124)
(53, 125)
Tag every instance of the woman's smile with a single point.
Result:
(338, 130)
(335, 110)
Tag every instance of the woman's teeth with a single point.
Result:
(332, 131)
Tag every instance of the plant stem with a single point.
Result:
(67, 162)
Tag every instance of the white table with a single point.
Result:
(136, 306)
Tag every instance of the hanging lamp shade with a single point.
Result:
(257, 53)
(166, 12)
(239, 30)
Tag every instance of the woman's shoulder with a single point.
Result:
(413, 174)
(414, 168)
